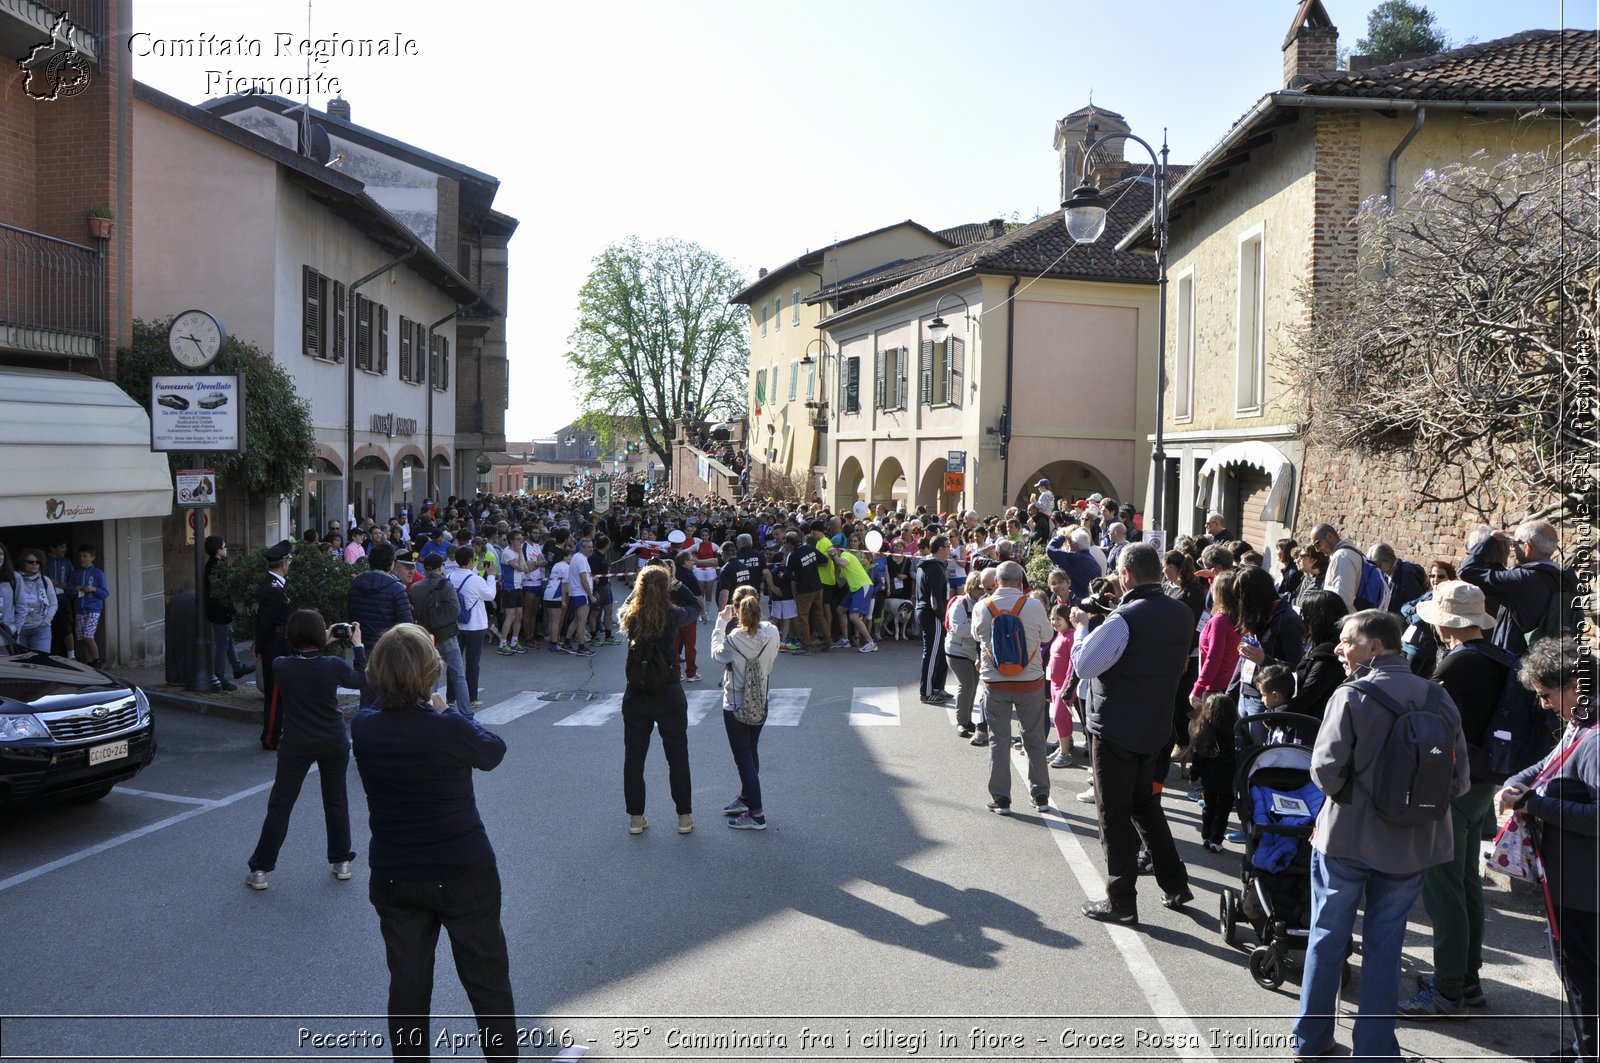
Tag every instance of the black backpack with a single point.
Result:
(439, 611)
(651, 668)
(1519, 732)
(1413, 777)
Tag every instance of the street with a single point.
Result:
(885, 913)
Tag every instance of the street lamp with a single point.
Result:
(1086, 220)
(938, 330)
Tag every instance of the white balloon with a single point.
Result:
(874, 540)
(675, 536)
(859, 509)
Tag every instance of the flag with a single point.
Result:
(761, 392)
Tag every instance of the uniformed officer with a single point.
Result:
(272, 613)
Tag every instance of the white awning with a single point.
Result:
(1268, 459)
(75, 448)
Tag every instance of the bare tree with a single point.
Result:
(1464, 338)
(657, 339)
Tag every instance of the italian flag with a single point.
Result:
(761, 396)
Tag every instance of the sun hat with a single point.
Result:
(1456, 603)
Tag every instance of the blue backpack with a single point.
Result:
(1372, 589)
(464, 607)
(1008, 642)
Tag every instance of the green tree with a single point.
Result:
(279, 441)
(657, 338)
(1398, 29)
(317, 580)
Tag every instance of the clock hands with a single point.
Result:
(198, 345)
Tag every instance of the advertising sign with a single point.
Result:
(955, 461)
(197, 413)
(197, 488)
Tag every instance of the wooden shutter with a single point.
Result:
(311, 311)
(925, 373)
(336, 342)
(902, 372)
(363, 312)
(383, 338)
(880, 389)
(427, 341)
(406, 368)
(852, 385)
(1254, 487)
(955, 374)
(444, 362)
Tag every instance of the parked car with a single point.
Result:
(213, 402)
(67, 730)
(176, 402)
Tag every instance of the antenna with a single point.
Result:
(305, 133)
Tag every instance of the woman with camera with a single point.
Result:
(753, 643)
(654, 698)
(308, 682)
(432, 864)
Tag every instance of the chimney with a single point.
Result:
(762, 274)
(997, 227)
(339, 108)
(1311, 49)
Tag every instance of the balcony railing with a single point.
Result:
(52, 295)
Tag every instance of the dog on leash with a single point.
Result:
(896, 619)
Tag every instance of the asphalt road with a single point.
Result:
(885, 913)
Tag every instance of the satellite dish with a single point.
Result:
(314, 144)
(676, 536)
(874, 540)
(859, 509)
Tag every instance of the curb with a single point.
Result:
(201, 706)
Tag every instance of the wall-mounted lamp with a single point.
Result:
(938, 328)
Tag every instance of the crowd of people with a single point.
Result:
(1142, 662)
(52, 599)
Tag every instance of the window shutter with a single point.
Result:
(926, 373)
(880, 392)
(955, 372)
(334, 345)
(363, 312)
(406, 368)
(311, 310)
(429, 342)
(852, 385)
(444, 363)
(902, 372)
(794, 380)
(383, 339)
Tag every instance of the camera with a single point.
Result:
(340, 632)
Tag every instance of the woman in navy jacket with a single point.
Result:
(313, 733)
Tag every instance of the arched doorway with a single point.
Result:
(1069, 481)
(321, 498)
(848, 488)
(931, 492)
(890, 484)
(373, 488)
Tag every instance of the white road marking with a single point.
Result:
(785, 707)
(595, 713)
(164, 797)
(513, 708)
(1165, 1007)
(875, 707)
(703, 702)
(111, 843)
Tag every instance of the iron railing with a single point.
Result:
(52, 295)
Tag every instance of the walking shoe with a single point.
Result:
(942, 696)
(476, 705)
(1106, 912)
(1235, 836)
(1041, 801)
(1061, 760)
(612, 640)
(504, 650)
(555, 647)
(963, 731)
(256, 880)
(685, 823)
(1145, 864)
(869, 647)
(637, 824)
(841, 644)
(1087, 796)
(798, 652)
(1016, 741)
(1179, 899)
(1213, 847)
(244, 670)
(1429, 1003)
(980, 739)
(341, 870)
(691, 679)
(1000, 806)
(745, 821)
(227, 686)
(517, 647)
(736, 807)
(1471, 991)
(583, 651)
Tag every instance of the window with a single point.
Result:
(1251, 326)
(794, 380)
(900, 382)
(763, 319)
(381, 330)
(322, 320)
(1183, 351)
(851, 385)
(940, 368)
(794, 298)
(372, 335)
(408, 365)
(777, 313)
(890, 386)
(363, 312)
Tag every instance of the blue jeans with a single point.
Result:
(471, 643)
(35, 638)
(744, 740)
(455, 673)
(223, 653)
(1338, 887)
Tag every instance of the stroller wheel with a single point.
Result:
(1266, 968)
(1228, 916)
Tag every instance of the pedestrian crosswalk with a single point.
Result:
(786, 707)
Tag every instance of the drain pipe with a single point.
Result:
(427, 383)
(1005, 411)
(1394, 157)
(350, 383)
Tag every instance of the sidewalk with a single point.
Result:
(243, 704)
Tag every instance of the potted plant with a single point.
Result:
(100, 222)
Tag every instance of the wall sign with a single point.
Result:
(197, 413)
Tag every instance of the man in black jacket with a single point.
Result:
(219, 614)
(377, 601)
(1518, 596)
(932, 581)
(272, 613)
(1135, 660)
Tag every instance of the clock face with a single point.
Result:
(195, 338)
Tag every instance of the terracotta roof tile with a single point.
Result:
(1532, 65)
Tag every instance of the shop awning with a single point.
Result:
(1264, 456)
(74, 448)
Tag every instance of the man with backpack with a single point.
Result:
(1532, 600)
(473, 594)
(436, 607)
(1391, 757)
(1351, 576)
(1009, 627)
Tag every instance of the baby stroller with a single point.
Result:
(1277, 803)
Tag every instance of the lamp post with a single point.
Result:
(820, 422)
(1086, 220)
(938, 329)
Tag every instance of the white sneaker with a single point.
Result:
(256, 880)
(637, 824)
(1087, 797)
(341, 870)
(869, 647)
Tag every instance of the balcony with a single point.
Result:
(52, 296)
(25, 23)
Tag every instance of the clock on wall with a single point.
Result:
(196, 338)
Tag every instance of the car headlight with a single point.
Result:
(143, 704)
(15, 726)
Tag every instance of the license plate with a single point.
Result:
(109, 751)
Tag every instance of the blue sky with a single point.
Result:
(761, 130)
